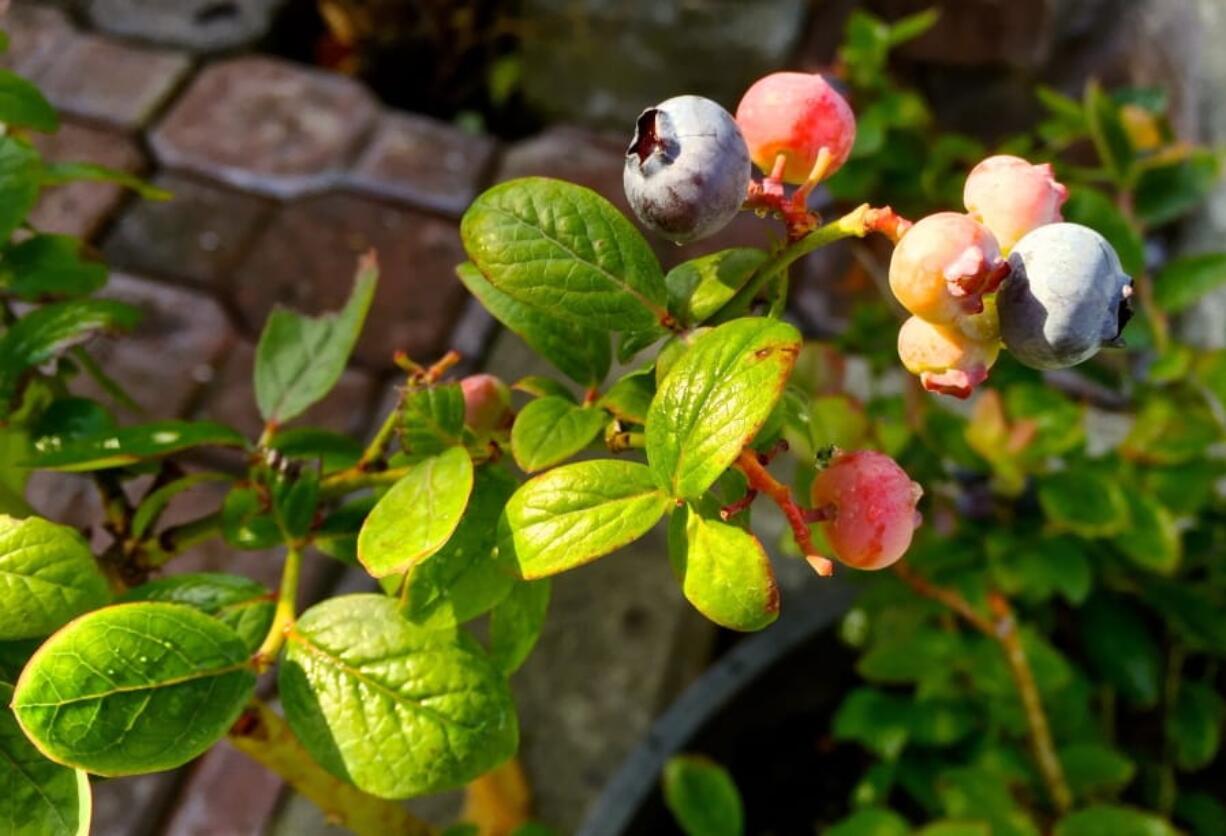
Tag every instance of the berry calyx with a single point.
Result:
(487, 403)
(796, 116)
(943, 266)
(687, 168)
(871, 503)
(1066, 297)
(946, 360)
(1011, 196)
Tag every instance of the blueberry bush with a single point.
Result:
(1042, 652)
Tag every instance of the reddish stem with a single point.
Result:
(761, 481)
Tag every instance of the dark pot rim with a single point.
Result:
(804, 614)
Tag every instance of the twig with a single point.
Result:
(762, 481)
(286, 609)
(262, 735)
(1002, 628)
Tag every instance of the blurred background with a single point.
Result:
(295, 134)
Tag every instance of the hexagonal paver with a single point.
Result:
(231, 398)
(80, 208)
(424, 162)
(305, 259)
(114, 83)
(172, 353)
(36, 34)
(198, 25)
(267, 126)
(197, 235)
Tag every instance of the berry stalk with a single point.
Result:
(857, 223)
(761, 481)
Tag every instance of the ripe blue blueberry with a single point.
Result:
(687, 168)
(1066, 297)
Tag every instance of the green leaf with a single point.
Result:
(1108, 132)
(50, 266)
(332, 450)
(1112, 820)
(241, 604)
(152, 506)
(13, 657)
(1084, 502)
(14, 448)
(630, 397)
(701, 286)
(1203, 812)
(23, 106)
(246, 520)
(299, 359)
(564, 249)
(1194, 725)
(1193, 610)
(703, 797)
(395, 709)
(464, 579)
(516, 624)
(550, 430)
(715, 399)
(872, 821)
(1095, 769)
(1167, 192)
(576, 513)
(1167, 432)
(1184, 280)
(134, 688)
(877, 720)
(432, 419)
(47, 331)
(910, 656)
(723, 569)
(539, 386)
(59, 174)
(128, 445)
(418, 514)
(295, 496)
(40, 798)
(1152, 539)
(1121, 648)
(912, 26)
(956, 828)
(973, 793)
(20, 172)
(71, 417)
(837, 420)
(1038, 569)
(583, 354)
(47, 577)
(1094, 209)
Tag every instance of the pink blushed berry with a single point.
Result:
(943, 266)
(797, 115)
(487, 403)
(945, 359)
(872, 503)
(1011, 196)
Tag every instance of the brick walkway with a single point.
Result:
(282, 175)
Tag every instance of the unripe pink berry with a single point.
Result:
(943, 265)
(795, 114)
(487, 403)
(872, 501)
(946, 360)
(1010, 196)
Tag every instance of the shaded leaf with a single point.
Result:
(703, 797)
(299, 359)
(128, 445)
